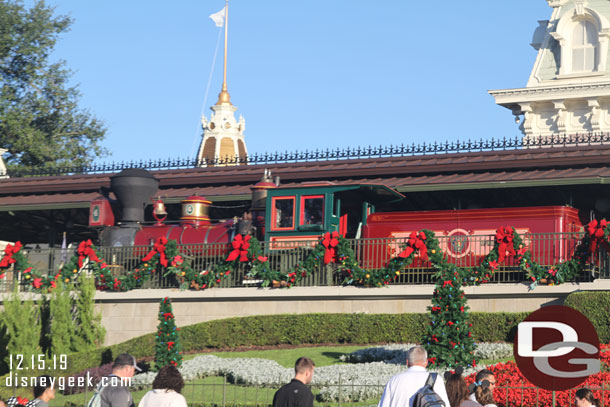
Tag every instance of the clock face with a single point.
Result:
(212, 125)
(227, 125)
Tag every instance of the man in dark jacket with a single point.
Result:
(296, 393)
(116, 393)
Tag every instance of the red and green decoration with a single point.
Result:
(168, 350)
(14, 257)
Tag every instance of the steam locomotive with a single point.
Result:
(285, 217)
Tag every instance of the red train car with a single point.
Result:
(467, 235)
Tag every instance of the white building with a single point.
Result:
(568, 91)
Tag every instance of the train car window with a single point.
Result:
(312, 210)
(282, 216)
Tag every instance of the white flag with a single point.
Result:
(219, 18)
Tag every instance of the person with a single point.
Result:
(167, 389)
(116, 393)
(401, 388)
(457, 390)
(296, 393)
(485, 395)
(585, 398)
(482, 376)
(43, 391)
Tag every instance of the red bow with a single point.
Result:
(504, 238)
(9, 252)
(330, 243)
(170, 344)
(167, 315)
(159, 247)
(596, 233)
(416, 242)
(240, 248)
(85, 250)
(22, 400)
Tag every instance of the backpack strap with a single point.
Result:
(431, 380)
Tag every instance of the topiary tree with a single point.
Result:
(62, 330)
(89, 332)
(20, 326)
(168, 350)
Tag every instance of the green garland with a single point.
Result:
(347, 270)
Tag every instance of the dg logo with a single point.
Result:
(556, 348)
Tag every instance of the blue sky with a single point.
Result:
(305, 75)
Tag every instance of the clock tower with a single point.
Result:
(223, 136)
(222, 141)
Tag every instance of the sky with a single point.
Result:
(305, 75)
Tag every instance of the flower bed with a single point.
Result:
(368, 370)
(512, 389)
(397, 353)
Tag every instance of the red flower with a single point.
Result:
(262, 259)
(27, 270)
(37, 282)
(493, 265)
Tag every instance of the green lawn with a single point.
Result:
(322, 356)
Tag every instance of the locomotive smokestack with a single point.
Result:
(133, 188)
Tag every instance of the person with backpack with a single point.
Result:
(112, 391)
(415, 387)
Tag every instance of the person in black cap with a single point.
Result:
(115, 392)
(296, 393)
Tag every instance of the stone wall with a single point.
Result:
(134, 313)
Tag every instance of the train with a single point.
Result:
(286, 217)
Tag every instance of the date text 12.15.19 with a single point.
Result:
(37, 362)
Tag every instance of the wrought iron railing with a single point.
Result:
(349, 153)
(464, 251)
(342, 393)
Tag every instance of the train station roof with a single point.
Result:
(551, 165)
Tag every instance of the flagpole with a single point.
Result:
(223, 97)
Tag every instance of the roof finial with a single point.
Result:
(223, 96)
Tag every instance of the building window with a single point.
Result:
(584, 47)
(282, 214)
(312, 210)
